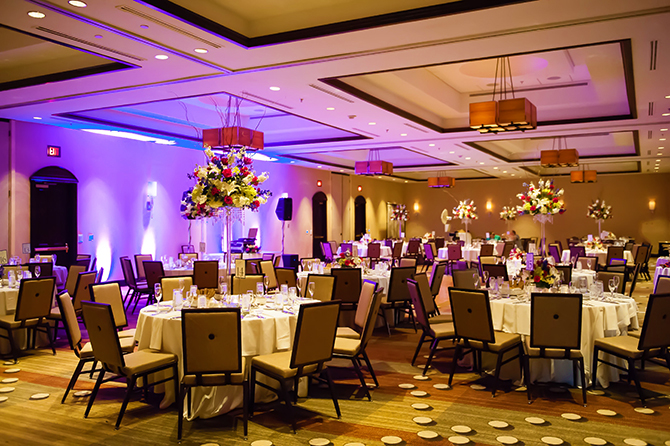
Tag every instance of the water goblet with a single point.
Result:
(485, 274)
(260, 289)
(475, 277)
(310, 288)
(617, 280)
(612, 286)
(181, 286)
(158, 294)
(588, 263)
(266, 282)
(298, 285)
(38, 271)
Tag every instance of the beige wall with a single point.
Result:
(628, 194)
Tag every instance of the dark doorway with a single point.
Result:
(53, 214)
(319, 223)
(359, 217)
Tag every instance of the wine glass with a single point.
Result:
(181, 286)
(310, 288)
(475, 277)
(38, 271)
(260, 288)
(612, 286)
(266, 282)
(485, 274)
(158, 294)
(588, 263)
(298, 286)
(616, 282)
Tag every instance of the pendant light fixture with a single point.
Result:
(374, 165)
(559, 155)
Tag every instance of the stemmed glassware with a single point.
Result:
(38, 271)
(158, 295)
(266, 282)
(485, 274)
(612, 286)
(310, 289)
(298, 286)
(475, 277)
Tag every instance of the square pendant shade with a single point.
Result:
(376, 167)
(441, 182)
(583, 176)
(483, 114)
(559, 158)
(503, 115)
(232, 136)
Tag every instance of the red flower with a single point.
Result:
(248, 160)
(215, 191)
(224, 160)
(215, 158)
(532, 208)
(537, 278)
(256, 203)
(555, 199)
(228, 200)
(551, 186)
(227, 173)
(254, 181)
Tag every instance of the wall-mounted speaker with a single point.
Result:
(284, 209)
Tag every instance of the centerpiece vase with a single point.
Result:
(227, 222)
(466, 222)
(599, 227)
(189, 231)
(543, 219)
(400, 228)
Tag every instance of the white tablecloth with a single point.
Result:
(660, 270)
(599, 320)
(8, 300)
(471, 253)
(600, 254)
(361, 250)
(381, 278)
(259, 337)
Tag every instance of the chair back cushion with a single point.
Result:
(128, 274)
(324, 286)
(285, 276)
(171, 283)
(555, 253)
(486, 249)
(241, 285)
(556, 320)
(641, 253)
(489, 260)
(315, 333)
(614, 252)
(397, 250)
(153, 270)
(495, 270)
(71, 281)
(428, 251)
(99, 321)
(268, 269)
(436, 276)
(655, 332)
(566, 270)
(471, 312)
(69, 320)
(139, 259)
(507, 249)
(586, 260)
(347, 285)
(406, 262)
(605, 276)
(398, 291)
(186, 256)
(211, 340)
(374, 250)
(206, 273)
(662, 285)
(465, 278)
(364, 301)
(35, 297)
(110, 293)
(372, 303)
(418, 304)
(82, 289)
(424, 293)
(577, 251)
(454, 251)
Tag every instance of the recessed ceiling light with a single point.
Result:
(161, 56)
(275, 88)
(452, 152)
(658, 161)
(664, 130)
(341, 170)
(661, 139)
(98, 36)
(467, 157)
(330, 108)
(403, 134)
(318, 167)
(667, 97)
(504, 171)
(665, 114)
(481, 162)
(406, 181)
(38, 118)
(659, 153)
(372, 123)
(36, 14)
(77, 3)
(144, 26)
(431, 145)
(201, 50)
(513, 174)
(495, 168)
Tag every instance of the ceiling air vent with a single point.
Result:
(332, 93)
(246, 93)
(416, 128)
(88, 43)
(651, 109)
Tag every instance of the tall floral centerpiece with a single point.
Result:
(227, 183)
(508, 214)
(399, 213)
(599, 211)
(466, 211)
(542, 202)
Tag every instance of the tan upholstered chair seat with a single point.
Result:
(345, 346)
(278, 364)
(503, 341)
(127, 346)
(441, 319)
(442, 330)
(635, 333)
(7, 321)
(625, 346)
(550, 352)
(213, 380)
(130, 333)
(144, 360)
(347, 332)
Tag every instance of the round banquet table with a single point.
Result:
(471, 253)
(361, 250)
(660, 270)
(601, 254)
(162, 332)
(380, 278)
(599, 319)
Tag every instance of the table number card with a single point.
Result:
(530, 265)
(240, 268)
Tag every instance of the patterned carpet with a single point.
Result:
(28, 422)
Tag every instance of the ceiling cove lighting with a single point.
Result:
(129, 135)
(330, 108)
(374, 165)
(505, 114)
(36, 14)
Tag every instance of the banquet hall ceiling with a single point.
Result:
(396, 76)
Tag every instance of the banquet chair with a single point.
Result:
(429, 300)
(436, 276)
(312, 348)
(617, 266)
(268, 270)
(327, 251)
(33, 306)
(454, 254)
(507, 249)
(186, 256)
(365, 295)
(83, 351)
(645, 265)
(486, 250)
(525, 244)
(629, 246)
(154, 271)
(413, 247)
(348, 285)
(374, 250)
(577, 251)
(171, 283)
(86, 262)
(662, 285)
(555, 333)
(635, 275)
(588, 262)
(72, 274)
(324, 286)
(347, 247)
(396, 254)
(430, 330)
(465, 278)
(98, 275)
(187, 249)
(286, 276)
(567, 272)
(99, 321)
(110, 293)
(559, 244)
(439, 242)
(639, 256)
(555, 253)
(605, 276)
(496, 270)
(246, 284)
(252, 266)
(268, 256)
(406, 262)
(398, 297)
(206, 274)
(354, 348)
(276, 261)
(473, 328)
(46, 268)
(82, 290)
(614, 252)
(205, 331)
(139, 266)
(135, 289)
(653, 342)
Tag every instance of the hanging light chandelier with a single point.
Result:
(559, 157)
(374, 165)
(232, 134)
(503, 115)
(441, 180)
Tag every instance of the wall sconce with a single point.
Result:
(489, 206)
(152, 191)
(319, 183)
(652, 205)
(416, 207)
(360, 188)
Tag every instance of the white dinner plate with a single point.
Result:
(441, 386)
(406, 386)
(535, 420)
(9, 380)
(644, 410)
(506, 439)
(460, 429)
(595, 441)
(82, 393)
(6, 389)
(427, 434)
(3, 399)
(39, 396)
(12, 370)
(420, 406)
(319, 441)
(606, 412)
(498, 424)
(262, 443)
(421, 378)
(477, 387)
(354, 444)
(422, 420)
(391, 439)
(419, 393)
(571, 416)
(553, 441)
(635, 442)
(459, 439)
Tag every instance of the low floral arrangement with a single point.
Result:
(663, 264)
(367, 238)
(226, 181)
(599, 211)
(596, 243)
(609, 236)
(517, 254)
(508, 213)
(544, 275)
(252, 249)
(543, 199)
(348, 261)
(466, 210)
(399, 212)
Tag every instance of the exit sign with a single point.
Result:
(53, 151)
